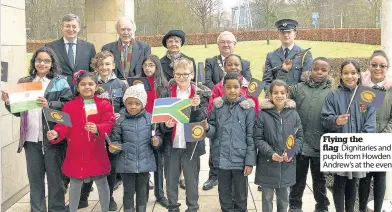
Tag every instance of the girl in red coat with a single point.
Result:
(86, 157)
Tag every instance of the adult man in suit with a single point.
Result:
(73, 54)
(214, 66)
(128, 52)
(278, 64)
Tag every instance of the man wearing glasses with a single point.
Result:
(128, 53)
(73, 54)
(214, 66)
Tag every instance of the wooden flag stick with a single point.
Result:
(46, 120)
(352, 98)
(88, 132)
(193, 152)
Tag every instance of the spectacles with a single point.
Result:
(148, 65)
(46, 61)
(228, 42)
(382, 66)
(185, 75)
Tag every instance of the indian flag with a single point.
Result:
(24, 96)
(90, 107)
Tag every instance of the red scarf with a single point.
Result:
(151, 95)
(174, 94)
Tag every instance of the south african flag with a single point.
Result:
(177, 109)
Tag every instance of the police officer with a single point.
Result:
(278, 64)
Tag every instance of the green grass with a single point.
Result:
(256, 51)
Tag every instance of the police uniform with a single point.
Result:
(276, 58)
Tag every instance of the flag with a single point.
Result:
(57, 116)
(117, 92)
(255, 87)
(139, 80)
(90, 107)
(291, 146)
(177, 109)
(24, 96)
(4, 71)
(369, 96)
(194, 131)
(201, 73)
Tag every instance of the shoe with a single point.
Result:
(117, 184)
(174, 208)
(182, 184)
(259, 188)
(150, 184)
(83, 204)
(112, 205)
(209, 184)
(163, 202)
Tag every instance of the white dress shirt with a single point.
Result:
(179, 137)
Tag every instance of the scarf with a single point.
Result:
(173, 57)
(125, 58)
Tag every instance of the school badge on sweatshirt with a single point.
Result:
(362, 108)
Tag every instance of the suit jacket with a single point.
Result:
(140, 50)
(214, 73)
(85, 51)
(168, 72)
(293, 76)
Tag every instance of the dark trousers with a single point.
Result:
(135, 183)
(319, 183)
(233, 185)
(158, 176)
(213, 173)
(344, 193)
(175, 160)
(112, 176)
(282, 199)
(39, 163)
(379, 179)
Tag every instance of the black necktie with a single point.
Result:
(286, 52)
(71, 54)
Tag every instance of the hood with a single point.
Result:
(266, 104)
(245, 103)
(305, 77)
(366, 80)
(202, 90)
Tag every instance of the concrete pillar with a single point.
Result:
(101, 19)
(13, 50)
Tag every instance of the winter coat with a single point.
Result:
(197, 114)
(217, 91)
(271, 132)
(231, 133)
(86, 153)
(362, 118)
(134, 133)
(309, 98)
(114, 83)
(384, 112)
(57, 94)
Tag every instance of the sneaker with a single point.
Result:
(112, 205)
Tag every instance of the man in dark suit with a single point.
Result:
(173, 41)
(73, 54)
(278, 64)
(128, 52)
(214, 66)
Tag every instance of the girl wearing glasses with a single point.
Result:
(376, 78)
(41, 156)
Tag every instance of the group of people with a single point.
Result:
(243, 131)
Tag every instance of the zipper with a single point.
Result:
(137, 149)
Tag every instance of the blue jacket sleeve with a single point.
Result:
(329, 114)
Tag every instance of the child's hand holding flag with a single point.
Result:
(52, 135)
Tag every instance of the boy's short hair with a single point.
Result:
(97, 59)
(232, 76)
(183, 63)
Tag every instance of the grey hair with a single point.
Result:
(226, 33)
(130, 20)
(71, 17)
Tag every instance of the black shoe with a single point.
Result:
(112, 205)
(209, 184)
(163, 202)
(259, 188)
(117, 184)
(182, 184)
(83, 204)
(174, 208)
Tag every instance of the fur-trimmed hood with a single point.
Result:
(305, 77)
(245, 103)
(202, 90)
(366, 80)
(267, 104)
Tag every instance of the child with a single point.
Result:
(41, 156)
(133, 132)
(230, 128)
(86, 158)
(179, 152)
(335, 119)
(232, 64)
(376, 77)
(277, 122)
(152, 69)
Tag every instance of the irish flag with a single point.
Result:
(24, 96)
